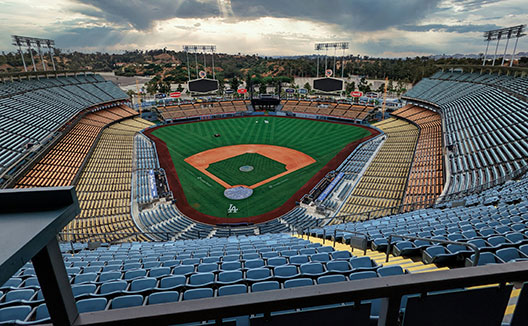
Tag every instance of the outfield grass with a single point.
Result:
(229, 170)
(318, 139)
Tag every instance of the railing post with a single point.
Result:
(335, 234)
(388, 248)
(324, 236)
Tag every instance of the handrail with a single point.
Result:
(353, 232)
(465, 244)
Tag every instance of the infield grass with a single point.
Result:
(318, 139)
(229, 170)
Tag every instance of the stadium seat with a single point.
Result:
(201, 280)
(312, 270)
(297, 282)
(265, 286)
(484, 259)
(172, 282)
(142, 284)
(285, 272)
(163, 297)
(199, 293)
(258, 275)
(126, 301)
(339, 266)
(299, 259)
(113, 287)
(360, 264)
(232, 289)
(92, 304)
(14, 313)
(510, 255)
(83, 289)
(229, 277)
(330, 279)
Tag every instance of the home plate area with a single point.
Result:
(238, 193)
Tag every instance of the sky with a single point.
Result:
(380, 28)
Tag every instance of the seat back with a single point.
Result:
(127, 301)
(163, 297)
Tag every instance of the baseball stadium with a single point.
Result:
(264, 209)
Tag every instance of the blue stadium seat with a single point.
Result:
(341, 254)
(297, 282)
(229, 277)
(232, 289)
(113, 287)
(277, 261)
(127, 301)
(313, 270)
(390, 271)
(331, 279)
(85, 278)
(14, 313)
(299, 259)
(254, 263)
(183, 270)
(92, 304)
(163, 297)
(207, 267)
(109, 276)
(201, 280)
(158, 272)
(509, 255)
(199, 293)
(285, 272)
(339, 266)
(484, 259)
(172, 282)
(265, 286)
(142, 284)
(258, 274)
(363, 264)
(136, 273)
(231, 265)
(321, 257)
(83, 289)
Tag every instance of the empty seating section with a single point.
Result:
(62, 163)
(426, 177)
(518, 85)
(32, 110)
(383, 184)
(496, 221)
(104, 185)
(143, 273)
(202, 108)
(352, 167)
(146, 159)
(486, 129)
(342, 110)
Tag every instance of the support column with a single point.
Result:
(40, 55)
(212, 59)
(505, 49)
(514, 49)
(51, 56)
(485, 54)
(55, 284)
(496, 48)
(32, 59)
(188, 66)
(317, 65)
(22, 56)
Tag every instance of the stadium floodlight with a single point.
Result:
(498, 34)
(332, 45)
(199, 49)
(25, 41)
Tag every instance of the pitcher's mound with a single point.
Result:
(246, 168)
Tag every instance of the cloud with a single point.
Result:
(448, 28)
(142, 14)
(90, 37)
(359, 15)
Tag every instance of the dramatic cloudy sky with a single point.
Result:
(388, 28)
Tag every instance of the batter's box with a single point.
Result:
(222, 165)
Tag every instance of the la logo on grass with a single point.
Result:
(232, 209)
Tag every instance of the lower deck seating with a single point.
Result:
(202, 108)
(105, 183)
(61, 164)
(426, 177)
(383, 184)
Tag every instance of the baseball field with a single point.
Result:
(274, 157)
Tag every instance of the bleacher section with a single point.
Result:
(202, 108)
(426, 179)
(383, 184)
(347, 111)
(486, 129)
(105, 184)
(33, 110)
(62, 163)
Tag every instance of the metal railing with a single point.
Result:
(408, 237)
